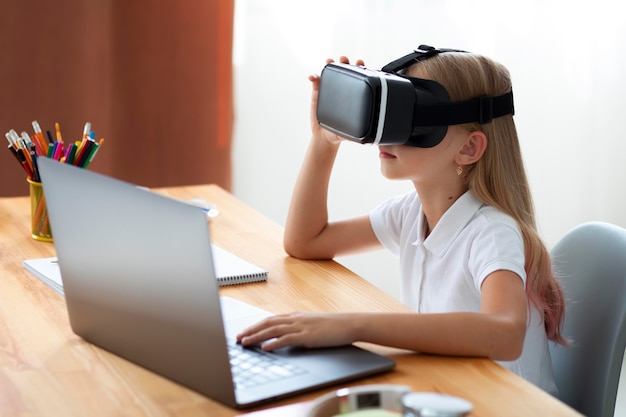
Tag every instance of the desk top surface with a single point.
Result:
(45, 369)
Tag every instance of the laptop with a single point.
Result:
(139, 281)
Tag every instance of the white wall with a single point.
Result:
(566, 58)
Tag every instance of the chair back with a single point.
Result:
(590, 263)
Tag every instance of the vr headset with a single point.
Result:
(387, 107)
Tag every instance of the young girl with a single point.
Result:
(473, 266)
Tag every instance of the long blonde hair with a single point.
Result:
(499, 177)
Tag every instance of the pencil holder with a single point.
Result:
(38, 213)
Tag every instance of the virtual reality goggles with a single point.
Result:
(389, 108)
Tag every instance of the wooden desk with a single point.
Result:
(46, 370)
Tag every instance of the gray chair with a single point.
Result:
(590, 262)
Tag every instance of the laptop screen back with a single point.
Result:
(138, 276)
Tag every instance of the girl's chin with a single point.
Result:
(390, 174)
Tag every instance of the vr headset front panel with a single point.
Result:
(364, 105)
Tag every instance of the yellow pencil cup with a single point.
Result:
(40, 225)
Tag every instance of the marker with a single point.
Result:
(58, 130)
(71, 154)
(86, 130)
(85, 152)
(81, 151)
(50, 151)
(39, 134)
(58, 151)
(92, 153)
(27, 149)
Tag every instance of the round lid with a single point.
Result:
(430, 404)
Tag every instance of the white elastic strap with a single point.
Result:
(383, 109)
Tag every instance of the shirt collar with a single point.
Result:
(449, 226)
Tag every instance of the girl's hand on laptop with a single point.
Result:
(310, 330)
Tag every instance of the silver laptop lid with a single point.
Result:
(124, 254)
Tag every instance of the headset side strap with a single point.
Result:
(481, 110)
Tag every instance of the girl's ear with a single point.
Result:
(473, 148)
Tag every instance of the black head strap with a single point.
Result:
(480, 109)
(421, 53)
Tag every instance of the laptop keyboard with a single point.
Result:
(254, 367)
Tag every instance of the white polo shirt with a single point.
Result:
(444, 272)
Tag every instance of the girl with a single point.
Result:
(473, 266)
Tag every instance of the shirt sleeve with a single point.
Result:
(498, 245)
(388, 218)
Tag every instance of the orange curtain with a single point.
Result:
(154, 78)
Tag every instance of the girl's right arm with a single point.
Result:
(308, 234)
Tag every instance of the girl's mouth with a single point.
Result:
(384, 154)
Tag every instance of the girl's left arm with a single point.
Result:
(497, 331)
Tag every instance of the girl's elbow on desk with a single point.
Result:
(510, 352)
(298, 250)
(506, 341)
(301, 253)
(295, 251)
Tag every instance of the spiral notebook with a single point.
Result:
(229, 268)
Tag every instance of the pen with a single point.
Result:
(13, 138)
(33, 157)
(29, 141)
(27, 149)
(10, 139)
(22, 160)
(26, 138)
(33, 140)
